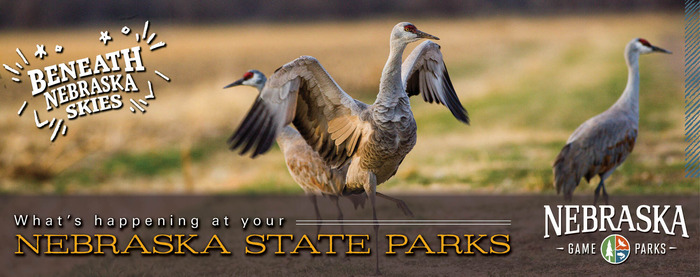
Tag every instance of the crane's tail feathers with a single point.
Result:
(256, 133)
(566, 172)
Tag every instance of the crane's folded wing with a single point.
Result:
(597, 146)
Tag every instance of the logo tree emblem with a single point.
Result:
(615, 249)
(608, 252)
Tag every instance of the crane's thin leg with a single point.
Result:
(340, 212)
(340, 216)
(605, 193)
(318, 214)
(371, 190)
(568, 196)
(597, 191)
(399, 203)
(603, 177)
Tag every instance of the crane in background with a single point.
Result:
(603, 142)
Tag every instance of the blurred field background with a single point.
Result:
(527, 82)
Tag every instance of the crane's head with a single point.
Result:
(644, 47)
(251, 78)
(406, 32)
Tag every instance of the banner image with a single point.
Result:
(317, 138)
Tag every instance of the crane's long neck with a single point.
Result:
(629, 100)
(390, 86)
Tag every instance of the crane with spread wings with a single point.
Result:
(370, 140)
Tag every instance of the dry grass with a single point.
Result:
(527, 83)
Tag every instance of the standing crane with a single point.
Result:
(372, 139)
(306, 166)
(602, 143)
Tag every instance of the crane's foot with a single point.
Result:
(404, 208)
(399, 203)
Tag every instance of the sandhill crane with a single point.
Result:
(602, 143)
(372, 139)
(306, 166)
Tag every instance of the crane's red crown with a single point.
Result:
(644, 42)
(247, 75)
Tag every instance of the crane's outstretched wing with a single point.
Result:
(301, 92)
(597, 146)
(424, 73)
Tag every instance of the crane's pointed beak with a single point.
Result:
(422, 34)
(659, 49)
(236, 83)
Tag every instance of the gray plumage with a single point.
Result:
(371, 140)
(312, 173)
(316, 177)
(603, 142)
(306, 166)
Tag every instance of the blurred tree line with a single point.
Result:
(41, 13)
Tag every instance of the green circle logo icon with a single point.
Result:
(615, 249)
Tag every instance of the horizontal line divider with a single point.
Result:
(403, 220)
(402, 224)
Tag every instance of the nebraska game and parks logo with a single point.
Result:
(656, 220)
(615, 249)
(87, 86)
